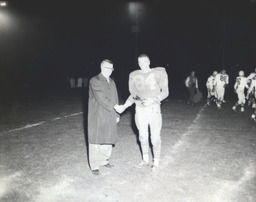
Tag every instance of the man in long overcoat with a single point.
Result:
(102, 117)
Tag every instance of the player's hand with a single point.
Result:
(247, 97)
(147, 102)
(117, 119)
(119, 108)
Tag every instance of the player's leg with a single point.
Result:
(142, 121)
(242, 100)
(220, 95)
(155, 130)
(208, 96)
(237, 103)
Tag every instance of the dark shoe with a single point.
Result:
(96, 172)
(109, 166)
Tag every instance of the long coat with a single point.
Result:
(102, 126)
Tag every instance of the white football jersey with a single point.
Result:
(251, 77)
(241, 83)
(252, 88)
(210, 82)
(152, 84)
(221, 80)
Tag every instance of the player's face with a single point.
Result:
(144, 63)
(107, 69)
(193, 73)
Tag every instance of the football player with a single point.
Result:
(252, 91)
(210, 87)
(239, 87)
(220, 83)
(148, 87)
(251, 98)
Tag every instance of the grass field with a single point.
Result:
(207, 155)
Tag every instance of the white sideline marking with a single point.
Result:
(180, 142)
(190, 129)
(27, 126)
(40, 123)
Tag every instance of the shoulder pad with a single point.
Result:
(134, 73)
(160, 69)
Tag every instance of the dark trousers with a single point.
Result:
(191, 92)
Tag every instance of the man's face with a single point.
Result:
(144, 63)
(192, 73)
(107, 69)
(223, 72)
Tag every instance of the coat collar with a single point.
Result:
(104, 78)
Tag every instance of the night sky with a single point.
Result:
(44, 42)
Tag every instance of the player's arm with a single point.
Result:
(236, 85)
(100, 95)
(215, 80)
(249, 78)
(186, 82)
(196, 83)
(163, 84)
(227, 80)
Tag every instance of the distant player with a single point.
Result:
(220, 83)
(252, 91)
(210, 87)
(251, 98)
(148, 87)
(239, 87)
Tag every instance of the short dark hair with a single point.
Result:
(107, 61)
(143, 56)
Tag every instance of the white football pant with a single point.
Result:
(149, 116)
(241, 97)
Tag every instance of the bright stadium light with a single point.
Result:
(3, 3)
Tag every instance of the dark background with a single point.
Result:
(45, 42)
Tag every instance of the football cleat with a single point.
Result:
(142, 164)
(242, 109)
(234, 108)
(253, 105)
(154, 168)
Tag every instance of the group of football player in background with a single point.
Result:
(217, 82)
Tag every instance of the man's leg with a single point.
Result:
(94, 156)
(105, 153)
(191, 91)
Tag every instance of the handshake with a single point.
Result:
(120, 108)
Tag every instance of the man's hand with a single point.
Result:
(247, 97)
(147, 102)
(119, 108)
(117, 119)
